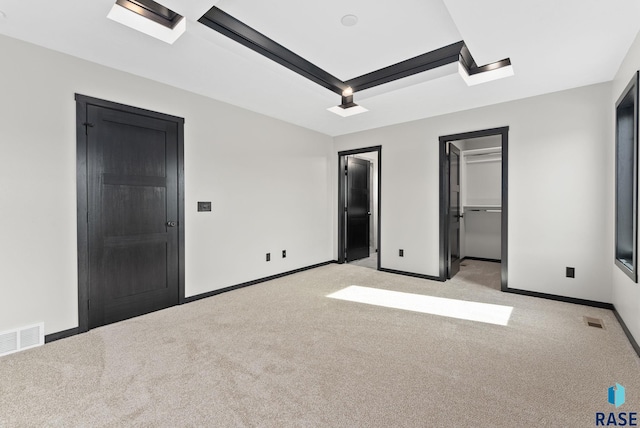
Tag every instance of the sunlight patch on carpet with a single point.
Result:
(461, 309)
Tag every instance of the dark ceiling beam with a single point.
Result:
(229, 26)
(466, 58)
(428, 61)
(236, 30)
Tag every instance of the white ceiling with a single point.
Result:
(386, 33)
(553, 45)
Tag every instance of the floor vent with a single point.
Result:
(21, 338)
(594, 322)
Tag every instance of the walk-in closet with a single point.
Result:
(480, 197)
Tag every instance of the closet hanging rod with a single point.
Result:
(484, 154)
(472, 161)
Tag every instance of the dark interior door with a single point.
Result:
(454, 211)
(132, 187)
(357, 209)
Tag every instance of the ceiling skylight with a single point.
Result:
(347, 111)
(150, 18)
(348, 107)
(487, 73)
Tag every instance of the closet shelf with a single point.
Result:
(487, 208)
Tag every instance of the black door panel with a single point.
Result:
(132, 194)
(454, 211)
(358, 204)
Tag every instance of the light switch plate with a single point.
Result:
(204, 206)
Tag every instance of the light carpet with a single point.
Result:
(281, 354)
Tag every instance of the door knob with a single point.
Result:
(171, 224)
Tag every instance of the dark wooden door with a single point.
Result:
(454, 211)
(357, 209)
(132, 190)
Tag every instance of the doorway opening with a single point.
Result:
(359, 206)
(474, 203)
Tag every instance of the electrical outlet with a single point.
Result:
(268, 257)
(571, 272)
(284, 254)
(401, 253)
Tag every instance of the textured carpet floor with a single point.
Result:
(370, 262)
(281, 354)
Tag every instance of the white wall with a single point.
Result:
(269, 183)
(483, 180)
(559, 189)
(274, 186)
(626, 293)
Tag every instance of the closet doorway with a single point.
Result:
(358, 207)
(474, 201)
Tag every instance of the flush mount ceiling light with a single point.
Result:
(150, 18)
(349, 20)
